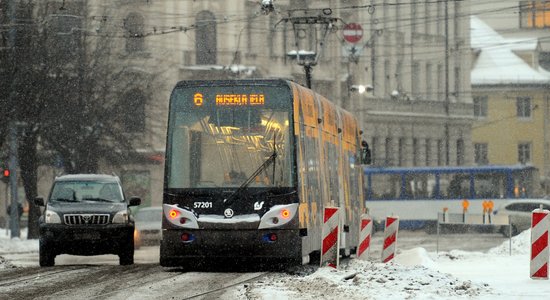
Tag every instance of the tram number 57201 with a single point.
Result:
(202, 204)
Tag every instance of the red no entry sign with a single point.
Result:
(353, 32)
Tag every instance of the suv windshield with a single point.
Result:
(76, 191)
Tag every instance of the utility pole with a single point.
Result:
(447, 100)
(309, 17)
(14, 212)
(14, 205)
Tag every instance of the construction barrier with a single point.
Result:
(364, 237)
(486, 219)
(331, 238)
(390, 238)
(540, 223)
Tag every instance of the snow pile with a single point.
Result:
(16, 245)
(521, 244)
(5, 264)
(412, 276)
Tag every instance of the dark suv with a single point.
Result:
(87, 214)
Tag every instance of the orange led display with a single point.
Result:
(239, 99)
(198, 98)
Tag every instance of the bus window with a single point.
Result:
(459, 186)
(419, 186)
(385, 186)
(491, 185)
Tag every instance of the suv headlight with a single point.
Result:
(121, 217)
(51, 216)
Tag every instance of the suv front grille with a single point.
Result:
(86, 219)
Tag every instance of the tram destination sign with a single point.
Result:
(232, 99)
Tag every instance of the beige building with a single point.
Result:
(518, 20)
(413, 58)
(511, 102)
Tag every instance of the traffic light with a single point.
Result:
(6, 175)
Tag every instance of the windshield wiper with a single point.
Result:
(97, 199)
(249, 180)
(65, 200)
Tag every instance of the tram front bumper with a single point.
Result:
(182, 245)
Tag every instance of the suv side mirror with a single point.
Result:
(365, 153)
(134, 201)
(39, 201)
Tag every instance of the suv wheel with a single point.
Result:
(46, 257)
(126, 255)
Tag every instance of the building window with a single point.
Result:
(428, 21)
(134, 103)
(480, 106)
(457, 18)
(387, 78)
(205, 38)
(66, 38)
(429, 83)
(440, 81)
(373, 149)
(457, 82)
(523, 107)
(135, 26)
(401, 151)
(440, 149)
(480, 153)
(544, 59)
(440, 17)
(524, 153)
(388, 152)
(459, 152)
(415, 78)
(415, 152)
(414, 19)
(398, 73)
(428, 152)
(535, 14)
(397, 19)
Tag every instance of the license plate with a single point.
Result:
(87, 236)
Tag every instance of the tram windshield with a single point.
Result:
(219, 136)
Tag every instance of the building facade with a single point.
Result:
(519, 19)
(511, 101)
(413, 57)
(417, 61)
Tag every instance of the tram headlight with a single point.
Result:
(180, 217)
(278, 215)
(285, 213)
(173, 214)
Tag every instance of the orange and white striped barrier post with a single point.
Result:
(390, 238)
(540, 223)
(331, 237)
(364, 237)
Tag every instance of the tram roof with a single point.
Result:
(448, 169)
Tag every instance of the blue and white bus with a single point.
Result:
(417, 194)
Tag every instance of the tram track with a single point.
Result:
(14, 277)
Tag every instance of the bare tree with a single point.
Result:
(79, 103)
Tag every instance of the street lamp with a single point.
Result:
(305, 58)
(359, 88)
